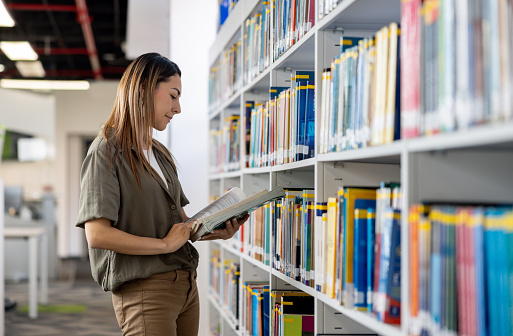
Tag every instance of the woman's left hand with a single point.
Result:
(232, 226)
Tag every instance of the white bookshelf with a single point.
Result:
(466, 165)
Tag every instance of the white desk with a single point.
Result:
(34, 234)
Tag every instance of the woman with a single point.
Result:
(131, 207)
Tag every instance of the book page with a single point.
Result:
(231, 197)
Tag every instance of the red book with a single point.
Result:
(410, 68)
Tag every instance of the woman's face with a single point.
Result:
(167, 102)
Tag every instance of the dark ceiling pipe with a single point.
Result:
(62, 51)
(42, 7)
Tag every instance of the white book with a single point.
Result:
(233, 204)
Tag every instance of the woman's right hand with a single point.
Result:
(179, 234)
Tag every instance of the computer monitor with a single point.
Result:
(13, 199)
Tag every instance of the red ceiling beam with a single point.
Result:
(42, 7)
(85, 21)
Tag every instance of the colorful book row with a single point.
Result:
(360, 103)
(457, 67)
(461, 267)
(282, 130)
(224, 146)
(225, 76)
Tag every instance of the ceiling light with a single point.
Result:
(30, 68)
(5, 18)
(43, 84)
(18, 51)
(2, 67)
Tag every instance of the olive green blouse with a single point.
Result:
(148, 211)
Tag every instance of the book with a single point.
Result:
(388, 298)
(233, 203)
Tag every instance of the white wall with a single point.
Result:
(34, 114)
(78, 114)
(192, 33)
(28, 112)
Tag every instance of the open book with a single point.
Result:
(233, 204)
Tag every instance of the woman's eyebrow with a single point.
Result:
(179, 93)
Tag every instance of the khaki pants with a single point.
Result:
(165, 304)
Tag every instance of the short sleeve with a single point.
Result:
(183, 199)
(99, 187)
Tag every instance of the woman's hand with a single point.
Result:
(232, 226)
(101, 234)
(179, 234)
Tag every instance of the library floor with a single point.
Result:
(76, 306)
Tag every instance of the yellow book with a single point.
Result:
(332, 246)
(354, 198)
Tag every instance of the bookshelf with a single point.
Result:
(467, 165)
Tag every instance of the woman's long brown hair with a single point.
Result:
(129, 127)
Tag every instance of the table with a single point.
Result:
(34, 235)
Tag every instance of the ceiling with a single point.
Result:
(57, 33)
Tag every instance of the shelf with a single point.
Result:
(232, 174)
(294, 165)
(230, 249)
(390, 153)
(257, 170)
(300, 56)
(256, 263)
(485, 137)
(225, 313)
(230, 103)
(365, 319)
(259, 83)
(309, 290)
(368, 15)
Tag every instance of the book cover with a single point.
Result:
(331, 246)
(309, 126)
(360, 259)
(320, 209)
(298, 325)
(388, 301)
(410, 63)
(371, 242)
(413, 226)
(354, 198)
(306, 242)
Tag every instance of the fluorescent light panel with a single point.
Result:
(18, 51)
(43, 84)
(30, 68)
(5, 18)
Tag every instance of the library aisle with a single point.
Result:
(77, 306)
(389, 126)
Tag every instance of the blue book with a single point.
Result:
(274, 91)
(436, 275)
(479, 269)
(492, 282)
(348, 42)
(266, 310)
(354, 198)
(371, 240)
(388, 309)
(300, 119)
(360, 259)
(309, 128)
